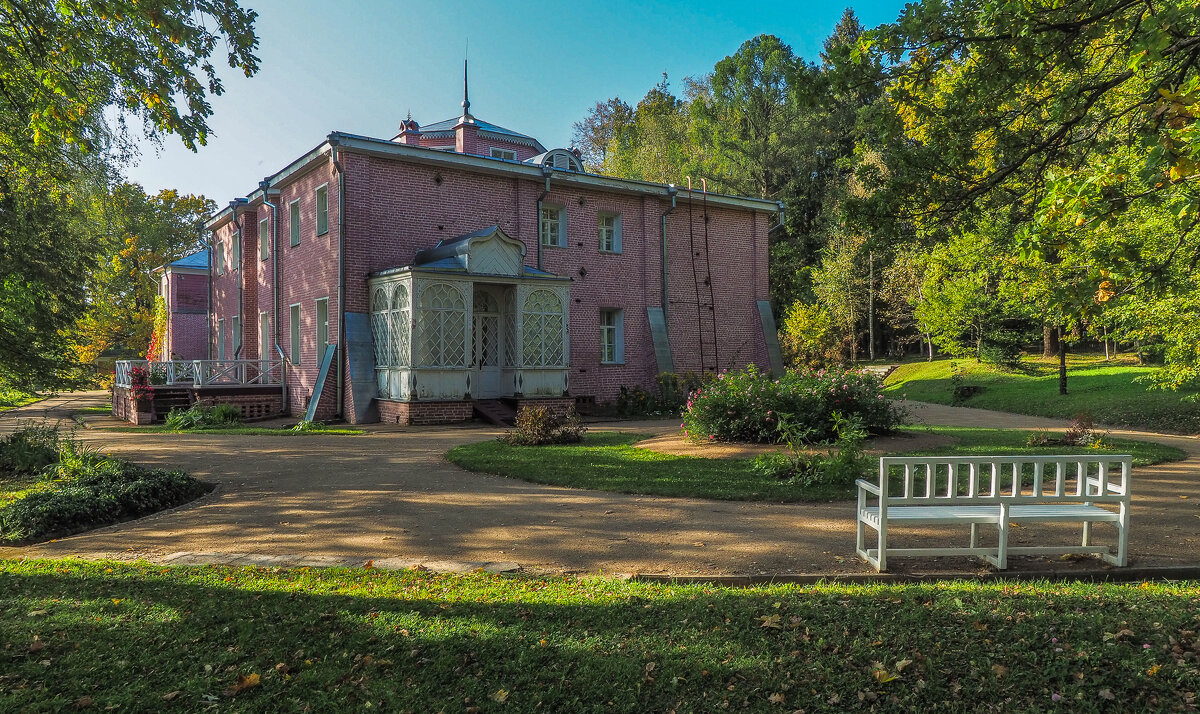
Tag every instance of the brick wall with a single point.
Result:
(560, 405)
(418, 413)
(253, 403)
(395, 208)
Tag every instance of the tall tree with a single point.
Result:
(73, 74)
(596, 133)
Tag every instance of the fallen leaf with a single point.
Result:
(1106, 693)
(901, 664)
(170, 695)
(771, 621)
(500, 695)
(775, 698)
(883, 676)
(999, 670)
(282, 668)
(84, 702)
(37, 613)
(36, 646)
(369, 564)
(244, 682)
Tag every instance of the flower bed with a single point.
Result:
(749, 405)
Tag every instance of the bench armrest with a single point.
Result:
(868, 486)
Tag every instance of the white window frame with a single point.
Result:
(560, 222)
(219, 257)
(264, 335)
(506, 154)
(235, 327)
(294, 223)
(264, 239)
(321, 196)
(237, 251)
(294, 345)
(614, 236)
(321, 325)
(612, 335)
(221, 338)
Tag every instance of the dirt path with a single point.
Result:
(391, 493)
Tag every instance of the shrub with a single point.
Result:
(29, 449)
(750, 406)
(105, 491)
(200, 416)
(840, 468)
(536, 426)
(673, 391)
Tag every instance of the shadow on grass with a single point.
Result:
(338, 640)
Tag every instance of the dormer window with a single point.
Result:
(506, 154)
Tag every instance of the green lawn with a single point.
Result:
(1104, 390)
(11, 398)
(608, 461)
(237, 430)
(151, 638)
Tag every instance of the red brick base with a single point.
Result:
(254, 403)
(124, 408)
(414, 413)
(560, 405)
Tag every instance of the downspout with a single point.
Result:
(234, 205)
(671, 191)
(212, 274)
(547, 171)
(265, 185)
(341, 357)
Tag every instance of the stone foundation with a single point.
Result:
(417, 413)
(126, 409)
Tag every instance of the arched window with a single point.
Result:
(400, 323)
(542, 329)
(441, 327)
(379, 327)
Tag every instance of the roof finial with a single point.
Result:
(466, 101)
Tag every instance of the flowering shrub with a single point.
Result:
(748, 405)
(139, 384)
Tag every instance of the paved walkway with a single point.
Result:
(390, 494)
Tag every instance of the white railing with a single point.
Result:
(202, 372)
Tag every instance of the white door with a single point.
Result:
(486, 345)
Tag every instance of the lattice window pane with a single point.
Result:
(379, 327)
(401, 325)
(441, 327)
(542, 329)
(510, 327)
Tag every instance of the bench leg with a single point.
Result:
(974, 535)
(1087, 533)
(1002, 549)
(881, 564)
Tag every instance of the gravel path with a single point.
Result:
(391, 494)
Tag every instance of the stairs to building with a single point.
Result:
(495, 412)
(166, 399)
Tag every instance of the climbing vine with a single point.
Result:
(160, 328)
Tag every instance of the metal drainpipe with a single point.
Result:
(671, 191)
(341, 356)
(265, 184)
(212, 274)
(547, 171)
(234, 206)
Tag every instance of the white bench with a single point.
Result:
(995, 490)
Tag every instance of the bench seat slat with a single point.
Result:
(1046, 512)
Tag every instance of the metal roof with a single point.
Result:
(447, 126)
(197, 260)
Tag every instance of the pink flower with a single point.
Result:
(712, 437)
(1056, 697)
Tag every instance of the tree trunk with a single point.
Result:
(1049, 342)
(1062, 363)
(929, 343)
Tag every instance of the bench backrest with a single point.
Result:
(999, 479)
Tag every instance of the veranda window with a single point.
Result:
(542, 329)
(400, 324)
(441, 327)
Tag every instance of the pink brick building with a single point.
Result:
(461, 261)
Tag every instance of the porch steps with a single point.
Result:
(167, 399)
(495, 412)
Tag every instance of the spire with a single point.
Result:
(466, 103)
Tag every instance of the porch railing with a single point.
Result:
(203, 372)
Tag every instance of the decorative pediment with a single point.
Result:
(489, 251)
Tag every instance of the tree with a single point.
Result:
(72, 75)
(138, 233)
(597, 132)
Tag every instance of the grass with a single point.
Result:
(12, 398)
(145, 637)
(93, 410)
(971, 441)
(609, 461)
(1107, 391)
(234, 430)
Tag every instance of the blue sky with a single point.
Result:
(536, 67)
